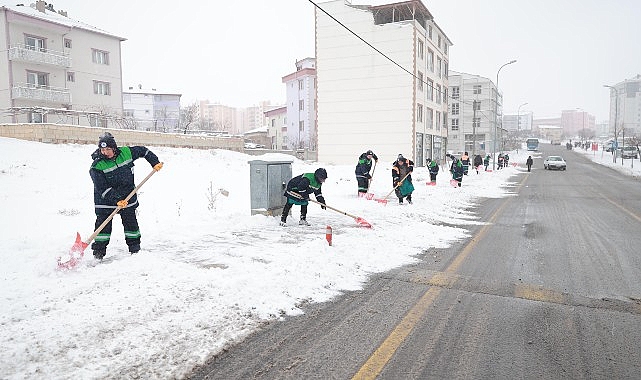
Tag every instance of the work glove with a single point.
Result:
(158, 166)
(322, 200)
(368, 176)
(122, 204)
(395, 182)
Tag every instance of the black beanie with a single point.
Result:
(107, 141)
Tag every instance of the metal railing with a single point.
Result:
(36, 92)
(29, 54)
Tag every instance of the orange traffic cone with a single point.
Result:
(328, 234)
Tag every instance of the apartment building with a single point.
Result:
(472, 123)
(57, 69)
(625, 108)
(150, 109)
(301, 105)
(392, 101)
(277, 128)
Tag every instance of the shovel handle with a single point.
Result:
(397, 185)
(335, 209)
(118, 208)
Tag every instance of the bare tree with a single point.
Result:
(188, 116)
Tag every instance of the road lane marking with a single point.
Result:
(382, 355)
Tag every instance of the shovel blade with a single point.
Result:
(76, 252)
(363, 223)
(369, 196)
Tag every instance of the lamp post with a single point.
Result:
(616, 110)
(496, 110)
(518, 119)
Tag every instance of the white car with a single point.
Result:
(554, 162)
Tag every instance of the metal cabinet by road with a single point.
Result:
(267, 181)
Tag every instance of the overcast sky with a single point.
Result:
(236, 52)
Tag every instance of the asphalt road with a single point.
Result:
(549, 288)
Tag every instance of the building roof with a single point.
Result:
(56, 17)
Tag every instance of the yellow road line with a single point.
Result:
(377, 361)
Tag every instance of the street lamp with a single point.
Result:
(518, 119)
(496, 110)
(616, 110)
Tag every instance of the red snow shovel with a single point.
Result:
(384, 200)
(369, 195)
(77, 251)
(361, 222)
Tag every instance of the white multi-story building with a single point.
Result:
(625, 108)
(517, 122)
(151, 110)
(57, 69)
(392, 101)
(277, 127)
(472, 122)
(301, 105)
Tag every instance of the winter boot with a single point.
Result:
(303, 222)
(400, 201)
(409, 199)
(99, 253)
(135, 248)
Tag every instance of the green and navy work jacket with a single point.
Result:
(301, 187)
(113, 179)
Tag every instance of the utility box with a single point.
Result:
(267, 182)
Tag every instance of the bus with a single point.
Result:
(532, 144)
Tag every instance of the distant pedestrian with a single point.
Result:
(529, 163)
(486, 161)
(298, 191)
(433, 168)
(362, 171)
(465, 160)
(457, 171)
(478, 161)
(506, 160)
(500, 161)
(402, 178)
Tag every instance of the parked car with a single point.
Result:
(628, 152)
(251, 146)
(554, 162)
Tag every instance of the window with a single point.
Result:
(445, 120)
(301, 105)
(67, 43)
(100, 57)
(439, 68)
(37, 79)
(128, 113)
(455, 92)
(455, 108)
(34, 117)
(476, 123)
(420, 81)
(429, 31)
(97, 121)
(477, 89)
(445, 48)
(445, 69)
(301, 125)
(101, 88)
(439, 41)
(429, 118)
(430, 89)
(438, 120)
(419, 112)
(476, 106)
(71, 76)
(301, 84)
(35, 43)
(438, 94)
(419, 48)
(454, 126)
(430, 60)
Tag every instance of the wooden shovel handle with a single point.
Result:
(118, 208)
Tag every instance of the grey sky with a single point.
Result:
(236, 52)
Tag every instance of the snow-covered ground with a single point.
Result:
(208, 273)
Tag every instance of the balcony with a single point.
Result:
(28, 54)
(44, 93)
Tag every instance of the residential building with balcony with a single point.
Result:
(472, 103)
(57, 69)
(301, 105)
(150, 109)
(392, 101)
